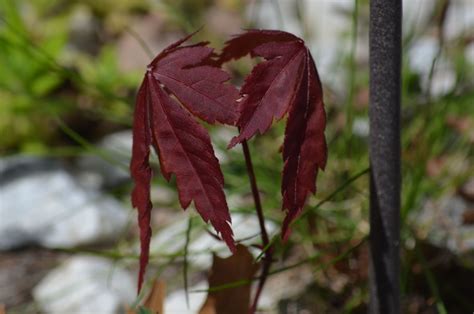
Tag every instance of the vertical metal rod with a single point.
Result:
(385, 179)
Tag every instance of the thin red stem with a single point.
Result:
(267, 260)
(256, 195)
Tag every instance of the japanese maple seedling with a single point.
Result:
(185, 82)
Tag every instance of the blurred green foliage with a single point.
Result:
(43, 76)
(27, 77)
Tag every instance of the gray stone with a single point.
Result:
(361, 127)
(86, 284)
(46, 206)
(18, 166)
(176, 301)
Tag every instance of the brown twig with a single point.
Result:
(267, 260)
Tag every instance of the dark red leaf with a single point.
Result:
(141, 173)
(287, 81)
(243, 44)
(270, 89)
(304, 147)
(187, 72)
(185, 149)
(182, 145)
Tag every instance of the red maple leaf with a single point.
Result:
(286, 82)
(142, 173)
(189, 73)
(182, 145)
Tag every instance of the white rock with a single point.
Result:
(330, 45)
(422, 53)
(361, 127)
(459, 19)
(421, 56)
(444, 78)
(85, 284)
(175, 302)
(49, 208)
(416, 15)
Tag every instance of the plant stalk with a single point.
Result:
(385, 39)
(267, 260)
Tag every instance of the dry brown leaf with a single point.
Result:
(155, 300)
(467, 190)
(467, 217)
(237, 267)
(209, 306)
(2, 309)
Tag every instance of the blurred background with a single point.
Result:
(69, 71)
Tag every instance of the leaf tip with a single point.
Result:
(234, 141)
(227, 236)
(286, 231)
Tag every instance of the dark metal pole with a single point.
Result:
(385, 180)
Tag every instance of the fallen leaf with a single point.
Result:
(156, 298)
(468, 217)
(154, 303)
(467, 190)
(209, 306)
(232, 300)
